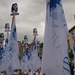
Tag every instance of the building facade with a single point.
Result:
(69, 38)
(69, 42)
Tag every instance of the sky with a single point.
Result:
(32, 15)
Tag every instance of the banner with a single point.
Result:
(35, 57)
(13, 56)
(55, 50)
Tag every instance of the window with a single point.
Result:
(68, 44)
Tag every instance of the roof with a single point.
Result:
(72, 28)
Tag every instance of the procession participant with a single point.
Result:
(30, 72)
(3, 73)
(34, 73)
(16, 72)
(20, 72)
(25, 73)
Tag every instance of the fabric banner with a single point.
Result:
(55, 50)
(13, 52)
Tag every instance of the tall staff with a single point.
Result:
(25, 42)
(1, 52)
(34, 34)
(7, 27)
(14, 12)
